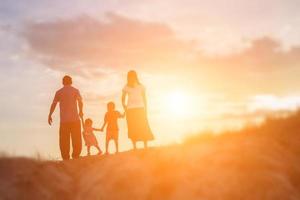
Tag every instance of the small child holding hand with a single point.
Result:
(89, 137)
(112, 129)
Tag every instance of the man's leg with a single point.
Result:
(64, 141)
(76, 139)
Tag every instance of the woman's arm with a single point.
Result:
(122, 115)
(124, 100)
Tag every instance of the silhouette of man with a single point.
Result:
(68, 98)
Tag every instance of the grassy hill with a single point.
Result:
(254, 163)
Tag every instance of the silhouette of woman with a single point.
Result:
(136, 110)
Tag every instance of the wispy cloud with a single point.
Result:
(84, 43)
(113, 42)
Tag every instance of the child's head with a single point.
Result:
(111, 106)
(88, 122)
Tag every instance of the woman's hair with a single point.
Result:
(132, 78)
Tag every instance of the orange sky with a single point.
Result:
(221, 64)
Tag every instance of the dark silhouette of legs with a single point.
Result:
(106, 146)
(76, 139)
(145, 144)
(99, 150)
(67, 131)
(64, 141)
(117, 146)
(134, 144)
(88, 150)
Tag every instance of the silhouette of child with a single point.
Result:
(112, 129)
(89, 137)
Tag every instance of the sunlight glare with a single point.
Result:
(177, 103)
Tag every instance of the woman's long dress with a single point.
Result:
(136, 116)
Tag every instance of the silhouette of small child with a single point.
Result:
(112, 130)
(89, 137)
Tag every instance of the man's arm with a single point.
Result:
(52, 108)
(80, 104)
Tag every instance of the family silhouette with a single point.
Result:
(134, 102)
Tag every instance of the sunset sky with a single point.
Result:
(210, 64)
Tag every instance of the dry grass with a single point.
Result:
(255, 163)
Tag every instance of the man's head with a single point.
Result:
(67, 80)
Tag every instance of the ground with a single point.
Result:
(255, 163)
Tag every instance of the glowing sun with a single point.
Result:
(177, 103)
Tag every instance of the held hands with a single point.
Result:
(125, 108)
(123, 114)
(125, 111)
(80, 114)
(98, 129)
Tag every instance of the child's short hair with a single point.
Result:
(88, 121)
(111, 105)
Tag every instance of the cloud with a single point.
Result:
(272, 102)
(87, 46)
(113, 42)
(118, 41)
(262, 55)
(263, 67)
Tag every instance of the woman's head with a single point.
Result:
(88, 122)
(132, 78)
